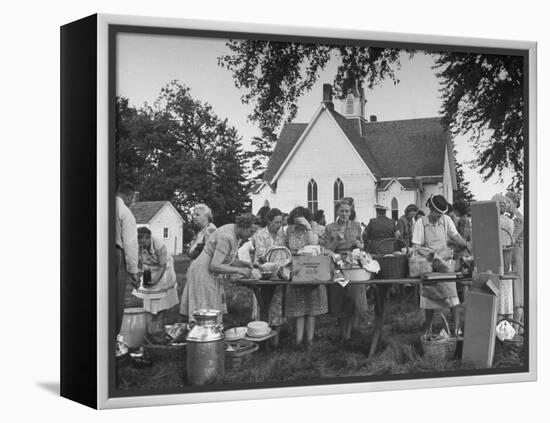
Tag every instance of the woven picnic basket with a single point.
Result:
(391, 267)
(441, 349)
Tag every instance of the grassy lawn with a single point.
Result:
(399, 351)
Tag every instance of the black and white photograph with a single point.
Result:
(297, 211)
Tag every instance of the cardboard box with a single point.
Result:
(311, 269)
(487, 246)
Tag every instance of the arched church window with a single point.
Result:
(312, 199)
(338, 193)
(394, 209)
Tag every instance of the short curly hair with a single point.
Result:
(206, 210)
(461, 207)
(246, 220)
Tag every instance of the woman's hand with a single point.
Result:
(244, 272)
(302, 221)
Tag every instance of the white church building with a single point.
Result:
(335, 155)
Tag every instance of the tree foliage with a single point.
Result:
(483, 98)
(179, 150)
(274, 75)
(462, 193)
(258, 157)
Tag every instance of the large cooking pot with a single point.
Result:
(205, 348)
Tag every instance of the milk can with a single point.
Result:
(205, 348)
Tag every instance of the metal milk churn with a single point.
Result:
(205, 348)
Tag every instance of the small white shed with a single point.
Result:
(164, 222)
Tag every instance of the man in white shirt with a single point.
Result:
(127, 248)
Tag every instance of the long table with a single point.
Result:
(381, 288)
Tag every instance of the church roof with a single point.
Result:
(289, 135)
(400, 148)
(413, 147)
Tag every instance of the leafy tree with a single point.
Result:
(258, 157)
(179, 150)
(462, 193)
(483, 98)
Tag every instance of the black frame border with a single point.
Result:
(78, 211)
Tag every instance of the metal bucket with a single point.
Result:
(205, 349)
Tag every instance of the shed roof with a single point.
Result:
(144, 211)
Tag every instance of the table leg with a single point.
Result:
(379, 306)
(259, 298)
(267, 292)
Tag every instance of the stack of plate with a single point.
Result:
(257, 329)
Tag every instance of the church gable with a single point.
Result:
(323, 150)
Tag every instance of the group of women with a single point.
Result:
(215, 254)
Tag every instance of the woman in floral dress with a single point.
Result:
(303, 302)
(204, 287)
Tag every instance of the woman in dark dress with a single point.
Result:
(406, 222)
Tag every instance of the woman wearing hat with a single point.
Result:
(435, 231)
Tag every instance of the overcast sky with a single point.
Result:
(146, 63)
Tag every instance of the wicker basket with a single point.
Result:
(392, 267)
(441, 349)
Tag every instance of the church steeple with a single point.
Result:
(353, 102)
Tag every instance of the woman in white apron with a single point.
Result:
(158, 287)
(435, 231)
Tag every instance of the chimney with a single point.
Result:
(373, 118)
(327, 96)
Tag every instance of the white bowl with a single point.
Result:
(235, 333)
